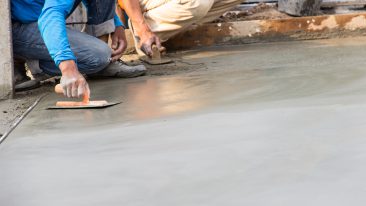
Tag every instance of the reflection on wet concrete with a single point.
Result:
(156, 98)
(272, 124)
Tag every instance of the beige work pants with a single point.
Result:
(167, 18)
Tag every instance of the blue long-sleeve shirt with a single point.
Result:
(51, 16)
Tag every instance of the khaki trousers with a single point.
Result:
(167, 18)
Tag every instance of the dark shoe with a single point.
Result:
(20, 74)
(27, 85)
(41, 77)
(22, 81)
(121, 70)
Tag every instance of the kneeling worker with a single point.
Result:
(155, 21)
(40, 33)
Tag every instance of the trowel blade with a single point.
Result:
(85, 106)
(161, 61)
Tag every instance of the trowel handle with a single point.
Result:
(60, 90)
(156, 55)
(154, 47)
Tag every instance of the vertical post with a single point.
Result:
(300, 7)
(6, 52)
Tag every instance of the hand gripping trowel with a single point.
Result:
(85, 104)
(156, 58)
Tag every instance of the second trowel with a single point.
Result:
(157, 58)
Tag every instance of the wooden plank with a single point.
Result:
(335, 3)
(245, 32)
(6, 57)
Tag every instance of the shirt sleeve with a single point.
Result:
(52, 25)
(118, 22)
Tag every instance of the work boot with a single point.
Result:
(119, 69)
(22, 81)
(41, 77)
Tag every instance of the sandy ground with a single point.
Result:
(260, 12)
(12, 109)
(276, 124)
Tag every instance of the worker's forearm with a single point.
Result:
(134, 12)
(52, 26)
(68, 66)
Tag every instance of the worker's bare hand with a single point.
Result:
(119, 43)
(147, 40)
(72, 82)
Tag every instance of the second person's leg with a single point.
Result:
(219, 8)
(167, 18)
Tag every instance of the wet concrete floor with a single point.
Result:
(268, 124)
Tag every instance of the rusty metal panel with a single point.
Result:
(243, 32)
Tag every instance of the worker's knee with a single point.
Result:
(102, 56)
(198, 8)
(96, 58)
(92, 54)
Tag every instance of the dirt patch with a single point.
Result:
(178, 65)
(260, 12)
(12, 109)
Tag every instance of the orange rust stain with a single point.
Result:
(290, 25)
(343, 20)
(313, 24)
(213, 34)
(358, 22)
(329, 23)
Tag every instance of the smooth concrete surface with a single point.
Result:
(269, 125)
